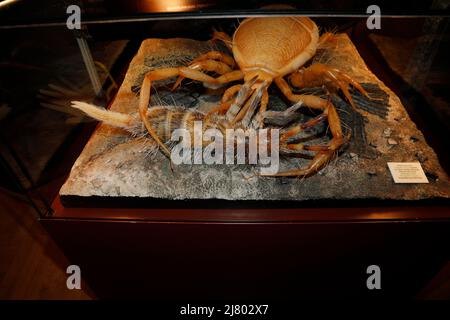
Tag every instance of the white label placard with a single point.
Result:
(407, 172)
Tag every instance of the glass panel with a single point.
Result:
(44, 66)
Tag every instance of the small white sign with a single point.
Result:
(407, 172)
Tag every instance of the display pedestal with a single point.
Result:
(252, 253)
(114, 169)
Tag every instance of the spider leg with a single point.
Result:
(247, 112)
(206, 65)
(216, 55)
(324, 152)
(226, 39)
(318, 75)
(226, 101)
(165, 73)
(258, 121)
(144, 100)
(281, 118)
(245, 91)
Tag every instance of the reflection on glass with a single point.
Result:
(171, 5)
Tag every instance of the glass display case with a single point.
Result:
(231, 126)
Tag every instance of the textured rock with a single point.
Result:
(115, 165)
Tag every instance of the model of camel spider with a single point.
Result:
(265, 51)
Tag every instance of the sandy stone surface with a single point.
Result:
(114, 164)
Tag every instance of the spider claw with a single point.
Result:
(177, 83)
